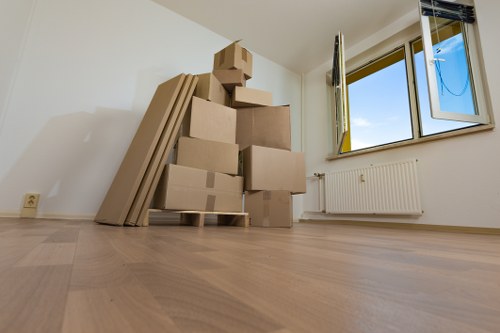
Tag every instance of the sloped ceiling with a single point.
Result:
(297, 34)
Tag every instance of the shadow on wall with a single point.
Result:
(72, 162)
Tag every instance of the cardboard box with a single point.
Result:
(210, 89)
(273, 169)
(267, 126)
(247, 97)
(185, 188)
(234, 57)
(269, 208)
(210, 121)
(208, 155)
(230, 78)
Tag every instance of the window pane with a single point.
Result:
(379, 107)
(453, 79)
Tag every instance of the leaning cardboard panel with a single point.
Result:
(144, 195)
(210, 121)
(267, 126)
(247, 97)
(209, 88)
(208, 155)
(230, 78)
(269, 208)
(234, 57)
(273, 169)
(123, 189)
(185, 188)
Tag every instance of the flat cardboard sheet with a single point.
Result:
(123, 189)
(150, 180)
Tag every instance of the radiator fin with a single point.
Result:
(390, 188)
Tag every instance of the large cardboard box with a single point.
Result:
(267, 126)
(208, 155)
(273, 169)
(248, 97)
(210, 121)
(185, 188)
(230, 78)
(269, 208)
(210, 89)
(234, 57)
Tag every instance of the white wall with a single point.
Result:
(76, 79)
(459, 179)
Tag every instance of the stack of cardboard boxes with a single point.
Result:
(229, 132)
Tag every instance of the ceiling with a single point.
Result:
(297, 34)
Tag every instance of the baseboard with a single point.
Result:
(55, 216)
(408, 226)
(10, 214)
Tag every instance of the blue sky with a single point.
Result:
(379, 103)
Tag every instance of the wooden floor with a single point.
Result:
(77, 276)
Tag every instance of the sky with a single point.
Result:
(379, 103)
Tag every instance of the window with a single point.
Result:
(454, 86)
(428, 87)
(379, 103)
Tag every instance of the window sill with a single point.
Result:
(435, 137)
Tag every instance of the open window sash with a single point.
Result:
(340, 94)
(434, 60)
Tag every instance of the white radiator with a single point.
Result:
(390, 188)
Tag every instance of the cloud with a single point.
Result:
(361, 122)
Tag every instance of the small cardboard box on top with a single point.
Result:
(273, 169)
(234, 57)
(210, 121)
(185, 188)
(269, 208)
(208, 155)
(267, 126)
(230, 78)
(248, 97)
(210, 89)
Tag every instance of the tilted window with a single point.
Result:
(431, 84)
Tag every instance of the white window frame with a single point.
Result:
(484, 119)
(481, 116)
(340, 97)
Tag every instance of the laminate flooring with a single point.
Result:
(78, 276)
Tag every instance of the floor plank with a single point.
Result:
(78, 276)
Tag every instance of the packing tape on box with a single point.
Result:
(210, 182)
(210, 206)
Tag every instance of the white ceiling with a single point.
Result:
(297, 34)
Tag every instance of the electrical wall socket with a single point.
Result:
(31, 200)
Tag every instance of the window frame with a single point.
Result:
(404, 39)
(481, 117)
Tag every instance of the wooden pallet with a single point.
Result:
(197, 218)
